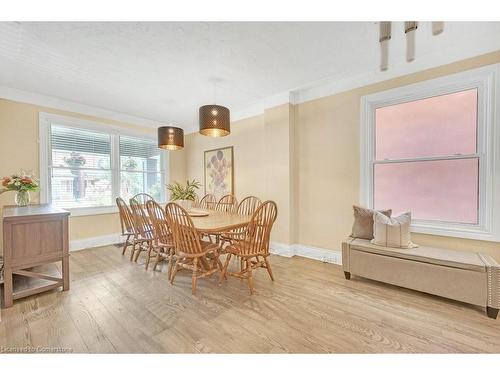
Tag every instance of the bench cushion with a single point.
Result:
(449, 258)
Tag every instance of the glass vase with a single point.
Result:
(22, 198)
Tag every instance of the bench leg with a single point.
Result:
(492, 312)
(347, 275)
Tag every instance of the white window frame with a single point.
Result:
(485, 80)
(45, 121)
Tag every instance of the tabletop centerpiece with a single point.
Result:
(184, 195)
(22, 183)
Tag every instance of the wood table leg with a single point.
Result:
(7, 287)
(65, 272)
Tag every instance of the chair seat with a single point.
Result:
(237, 249)
(233, 236)
(147, 237)
(206, 247)
(449, 258)
(165, 244)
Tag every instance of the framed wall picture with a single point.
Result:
(218, 167)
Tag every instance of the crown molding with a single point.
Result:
(335, 85)
(69, 106)
(258, 107)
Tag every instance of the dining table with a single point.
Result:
(214, 223)
(217, 222)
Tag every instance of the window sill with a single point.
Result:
(472, 233)
(92, 211)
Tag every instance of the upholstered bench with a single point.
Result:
(463, 276)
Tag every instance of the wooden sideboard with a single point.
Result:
(34, 236)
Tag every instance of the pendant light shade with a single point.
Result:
(170, 138)
(214, 120)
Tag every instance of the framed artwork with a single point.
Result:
(218, 166)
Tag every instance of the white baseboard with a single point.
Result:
(86, 243)
(311, 252)
(281, 249)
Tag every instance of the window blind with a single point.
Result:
(80, 168)
(89, 168)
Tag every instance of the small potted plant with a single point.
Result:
(76, 160)
(22, 183)
(184, 195)
(130, 165)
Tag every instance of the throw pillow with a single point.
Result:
(363, 222)
(392, 231)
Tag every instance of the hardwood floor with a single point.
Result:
(117, 306)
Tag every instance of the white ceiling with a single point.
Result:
(165, 71)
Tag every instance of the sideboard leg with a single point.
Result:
(65, 272)
(7, 287)
(347, 275)
(492, 312)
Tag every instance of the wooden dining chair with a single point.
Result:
(228, 203)
(143, 228)
(162, 245)
(208, 202)
(246, 207)
(127, 225)
(253, 248)
(201, 257)
(142, 198)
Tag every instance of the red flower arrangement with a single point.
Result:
(19, 182)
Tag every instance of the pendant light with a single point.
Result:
(170, 138)
(214, 119)
(410, 28)
(384, 37)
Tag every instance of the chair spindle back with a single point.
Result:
(228, 203)
(259, 230)
(186, 237)
(208, 202)
(248, 205)
(142, 198)
(158, 219)
(141, 220)
(126, 217)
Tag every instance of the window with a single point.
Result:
(426, 158)
(84, 166)
(428, 148)
(140, 168)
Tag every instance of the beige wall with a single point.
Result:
(321, 150)
(19, 150)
